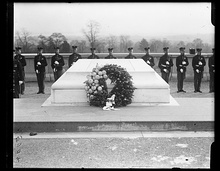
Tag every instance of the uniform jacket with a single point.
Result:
(211, 63)
(162, 63)
(73, 58)
(130, 57)
(93, 56)
(17, 72)
(42, 60)
(149, 58)
(110, 57)
(179, 63)
(59, 59)
(195, 63)
(22, 60)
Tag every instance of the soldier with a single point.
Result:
(198, 63)
(40, 63)
(130, 55)
(17, 76)
(110, 56)
(22, 60)
(165, 64)
(93, 55)
(181, 63)
(74, 56)
(211, 63)
(57, 64)
(148, 58)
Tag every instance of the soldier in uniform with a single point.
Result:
(198, 63)
(130, 55)
(40, 63)
(148, 58)
(93, 55)
(57, 64)
(165, 64)
(211, 64)
(181, 64)
(22, 60)
(74, 56)
(17, 76)
(110, 56)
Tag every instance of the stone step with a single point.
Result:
(20, 127)
(192, 114)
(150, 95)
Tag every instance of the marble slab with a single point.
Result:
(150, 87)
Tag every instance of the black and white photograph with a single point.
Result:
(113, 85)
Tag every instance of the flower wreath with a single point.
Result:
(96, 87)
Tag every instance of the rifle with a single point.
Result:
(171, 73)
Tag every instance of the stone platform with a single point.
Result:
(150, 87)
(192, 114)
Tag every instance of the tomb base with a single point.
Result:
(150, 87)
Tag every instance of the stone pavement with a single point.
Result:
(131, 135)
(58, 148)
(112, 152)
(189, 109)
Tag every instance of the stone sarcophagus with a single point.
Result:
(69, 89)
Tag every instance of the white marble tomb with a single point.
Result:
(70, 87)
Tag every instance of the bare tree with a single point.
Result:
(112, 41)
(207, 48)
(24, 40)
(101, 45)
(136, 47)
(181, 44)
(198, 43)
(166, 43)
(92, 32)
(130, 43)
(43, 42)
(57, 38)
(125, 43)
(81, 45)
(156, 45)
(143, 44)
(74, 43)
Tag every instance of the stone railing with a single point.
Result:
(31, 76)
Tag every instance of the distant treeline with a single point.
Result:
(29, 43)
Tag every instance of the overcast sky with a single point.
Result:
(114, 18)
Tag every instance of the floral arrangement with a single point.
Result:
(97, 90)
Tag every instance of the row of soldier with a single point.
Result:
(165, 64)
